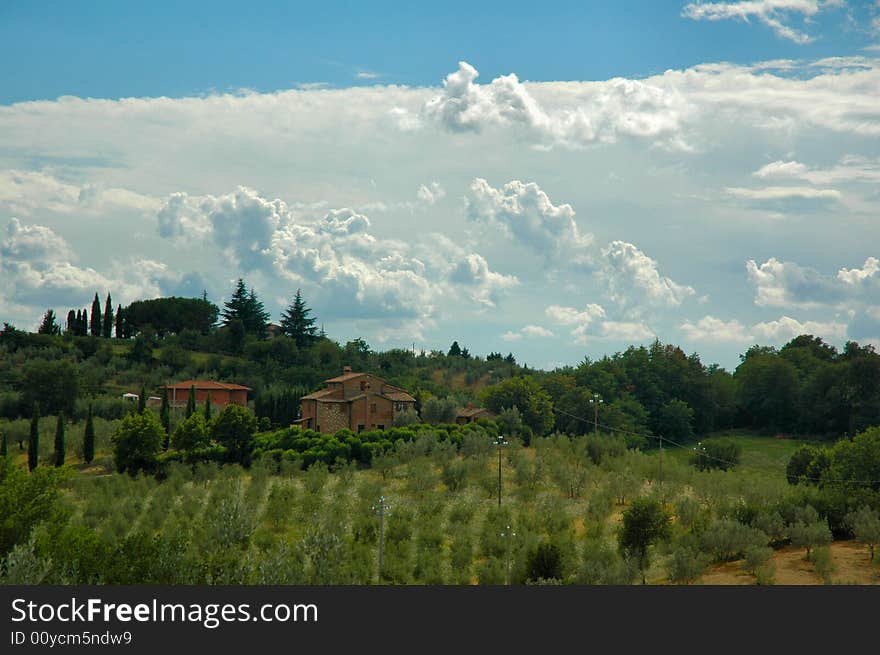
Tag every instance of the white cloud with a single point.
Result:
(523, 212)
(783, 193)
(786, 328)
(850, 169)
(511, 336)
(773, 13)
(787, 284)
(430, 193)
(633, 278)
(561, 315)
(619, 107)
(368, 75)
(716, 330)
(536, 331)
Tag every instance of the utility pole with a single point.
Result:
(595, 401)
(381, 508)
(507, 534)
(499, 442)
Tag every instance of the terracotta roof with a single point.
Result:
(471, 411)
(345, 376)
(207, 384)
(397, 395)
(319, 394)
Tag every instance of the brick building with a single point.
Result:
(470, 414)
(222, 393)
(357, 401)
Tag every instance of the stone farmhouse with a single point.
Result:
(357, 401)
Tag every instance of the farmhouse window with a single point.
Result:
(372, 408)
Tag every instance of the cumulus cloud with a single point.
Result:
(714, 329)
(524, 213)
(783, 193)
(634, 279)
(786, 328)
(787, 284)
(562, 315)
(776, 14)
(527, 331)
(430, 193)
(620, 107)
(590, 324)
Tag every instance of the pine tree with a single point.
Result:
(191, 402)
(89, 438)
(208, 408)
(48, 325)
(107, 323)
(245, 306)
(165, 418)
(34, 439)
(71, 322)
(296, 322)
(95, 324)
(60, 446)
(120, 330)
(142, 399)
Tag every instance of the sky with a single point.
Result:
(555, 181)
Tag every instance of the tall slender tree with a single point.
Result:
(60, 446)
(71, 322)
(84, 323)
(245, 306)
(296, 322)
(95, 323)
(89, 438)
(107, 322)
(208, 408)
(34, 438)
(191, 401)
(120, 330)
(165, 418)
(2, 444)
(142, 399)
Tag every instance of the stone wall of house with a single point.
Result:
(332, 417)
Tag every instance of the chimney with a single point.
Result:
(346, 369)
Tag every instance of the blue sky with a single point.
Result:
(107, 49)
(555, 181)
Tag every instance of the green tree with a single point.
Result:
(454, 350)
(165, 418)
(296, 322)
(34, 438)
(60, 446)
(544, 562)
(208, 407)
(246, 307)
(95, 323)
(142, 399)
(676, 420)
(865, 526)
(89, 437)
(439, 410)
(52, 383)
(3, 446)
(191, 434)
(120, 329)
(645, 522)
(25, 501)
(70, 328)
(49, 324)
(191, 402)
(234, 428)
(107, 322)
(137, 442)
(527, 396)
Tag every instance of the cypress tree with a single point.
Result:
(89, 438)
(84, 323)
(165, 418)
(120, 332)
(107, 323)
(208, 408)
(95, 323)
(34, 439)
(2, 444)
(142, 399)
(191, 401)
(60, 446)
(71, 322)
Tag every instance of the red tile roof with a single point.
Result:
(207, 384)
